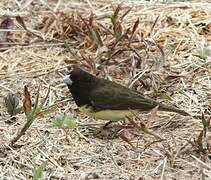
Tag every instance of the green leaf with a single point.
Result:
(113, 20)
(203, 52)
(69, 121)
(168, 47)
(43, 101)
(58, 121)
(62, 120)
(38, 172)
(205, 122)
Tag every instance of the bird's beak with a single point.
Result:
(67, 80)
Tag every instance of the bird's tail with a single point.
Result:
(172, 109)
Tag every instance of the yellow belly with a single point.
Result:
(112, 115)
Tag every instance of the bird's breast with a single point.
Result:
(112, 115)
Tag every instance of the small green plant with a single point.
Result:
(206, 124)
(64, 120)
(38, 172)
(31, 112)
(117, 25)
(203, 53)
(93, 31)
(11, 103)
(201, 144)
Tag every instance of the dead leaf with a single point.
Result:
(153, 116)
(135, 26)
(27, 103)
(199, 141)
(21, 22)
(153, 25)
(126, 136)
(89, 61)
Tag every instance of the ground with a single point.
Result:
(159, 49)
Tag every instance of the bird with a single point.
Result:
(106, 100)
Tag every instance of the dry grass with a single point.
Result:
(165, 61)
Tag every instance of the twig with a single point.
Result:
(163, 169)
(201, 162)
(143, 128)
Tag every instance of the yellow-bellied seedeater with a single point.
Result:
(107, 100)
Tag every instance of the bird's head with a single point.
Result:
(80, 84)
(78, 77)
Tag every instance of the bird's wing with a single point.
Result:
(116, 97)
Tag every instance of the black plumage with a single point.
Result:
(99, 94)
